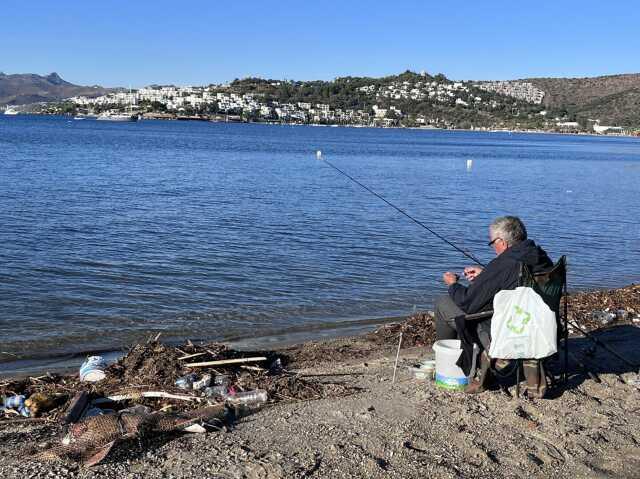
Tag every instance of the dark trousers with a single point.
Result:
(445, 313)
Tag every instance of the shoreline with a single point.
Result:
(68, 362)
(364, 425)
(337, 125)
(340, 414)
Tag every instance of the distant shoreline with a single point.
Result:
(419, 128)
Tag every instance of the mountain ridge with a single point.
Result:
(25, 88)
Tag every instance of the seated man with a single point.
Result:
(508, 237)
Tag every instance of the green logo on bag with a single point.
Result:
(518, 322)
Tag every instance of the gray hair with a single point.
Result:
(510, 228)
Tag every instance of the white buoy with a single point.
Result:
(469, 165)
(319, 155)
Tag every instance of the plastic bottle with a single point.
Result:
(220, 380)
(186, 382)
(203, 382)
(249, 398)
(217, 391)
(14, 402)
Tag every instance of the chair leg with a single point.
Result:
(518, 366)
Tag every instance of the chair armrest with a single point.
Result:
(481, 315)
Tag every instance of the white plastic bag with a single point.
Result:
(523, 326)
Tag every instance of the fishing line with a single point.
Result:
(457, 248)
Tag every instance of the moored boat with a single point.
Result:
(107, 116)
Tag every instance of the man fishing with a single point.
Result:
(508, 238)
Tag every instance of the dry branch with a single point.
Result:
(226, 361)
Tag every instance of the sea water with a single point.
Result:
(113, 232)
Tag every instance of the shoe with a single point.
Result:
(481, 383)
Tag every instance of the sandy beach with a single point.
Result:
(355, 422)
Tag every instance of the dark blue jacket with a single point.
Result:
(501, 273)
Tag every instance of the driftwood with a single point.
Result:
(226, 361)
(145, 394)
(189, 356)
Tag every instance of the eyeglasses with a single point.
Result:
(490, 243)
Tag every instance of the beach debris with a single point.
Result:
(604, 317)
(137, 395)
(17, 403)
(76, 408)
(90, 440)
(92, 370)
(39, 403)
(219, 392)
(193, 382)
(249, 398)
(186, 382)
(202, 383)
(224, 362)
(189, 356)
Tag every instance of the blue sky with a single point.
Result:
(121, 43)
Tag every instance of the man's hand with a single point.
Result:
(470, 272)
(449, 278)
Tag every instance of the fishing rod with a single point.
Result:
(454, 246)
(595, 340)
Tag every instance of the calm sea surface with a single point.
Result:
(113, 232)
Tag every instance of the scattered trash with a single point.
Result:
(39, 403)
(276, 367)
(218, 392)
(423, 371)
(95, 411)
(92, 370)
(202, 383)
(604, 317)
(14, 402)
(76, 407)
(17, 403)
(90, 440)
(249, 398)
(622, 314)
(186, 382)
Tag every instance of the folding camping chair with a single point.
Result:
(550, 285)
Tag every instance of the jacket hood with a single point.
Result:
(531, 254)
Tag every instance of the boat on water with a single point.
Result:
(107, 116)
(10, 111)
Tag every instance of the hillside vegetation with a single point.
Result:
(613, 99)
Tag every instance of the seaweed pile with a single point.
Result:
(595, 309)
(155, 366)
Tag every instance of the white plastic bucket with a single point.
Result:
(448, 375)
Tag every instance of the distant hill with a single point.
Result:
(20, 89)
(613, 99)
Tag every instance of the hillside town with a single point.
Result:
(521, 90)
(223, 101)
(406, 100)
